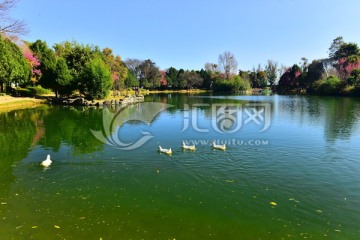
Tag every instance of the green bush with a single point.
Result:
(2, 94)
(38, 91)
(330, 86)
(31, 91)
(235, 85)
(354, 78)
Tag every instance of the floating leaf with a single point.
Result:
(56, 226)
(319, 211)
(34, 227)
(273, 203)
(230, 181)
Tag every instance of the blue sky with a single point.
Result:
(188, 33)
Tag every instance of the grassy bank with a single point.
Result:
(8, 103)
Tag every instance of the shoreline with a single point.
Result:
(8, 103)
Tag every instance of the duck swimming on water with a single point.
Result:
(47, 162)
(164, 150)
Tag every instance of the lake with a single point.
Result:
(291, 169)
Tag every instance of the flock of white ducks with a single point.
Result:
(192, 147)
(47, 162)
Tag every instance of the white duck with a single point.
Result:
(218, 146)
(164, 150)
(47, 162)
(188, 147)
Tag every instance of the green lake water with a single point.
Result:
(291, 170)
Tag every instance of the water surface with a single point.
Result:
(306, 162)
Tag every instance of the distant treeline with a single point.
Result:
(72, 68)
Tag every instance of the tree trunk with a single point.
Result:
(1, 87)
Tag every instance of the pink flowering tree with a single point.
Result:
(163, 81)
(291, 78)
(34, 64)
(345, 66)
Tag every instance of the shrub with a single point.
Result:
(235, 85)
(354, 78)
(38, 91)
(330, 86)
(31, 91)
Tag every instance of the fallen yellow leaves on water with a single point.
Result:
(273, 203)
(34, 227)
(81, 218)
(56, 226)
(319, 211)
(230, 181)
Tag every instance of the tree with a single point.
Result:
(95, 79)
(13, 66)
(337, 42)
(258, 77)
(46, 57)
(304, 64)
(271, 71)
(211, 67)
(133, 65)
(8, 25)
(354, 78)
(117, 67)
(171, 76)
(34, 64)
(290, 79)
(347, 50)
(315, 72)
(76, 55)
(62, 78)
(206, 76)
(149, 74)
(345, 65)
(227, 64)
(189, 79)
(131, 80)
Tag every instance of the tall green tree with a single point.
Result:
(13, 66)
(95, 79)
(206, 76)
(315, 72)
(335, 45)
(171, 76)
(347, 50)
(117, 67)
(271, 70)
(63, 78)
(131, 80)
(47, 59)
